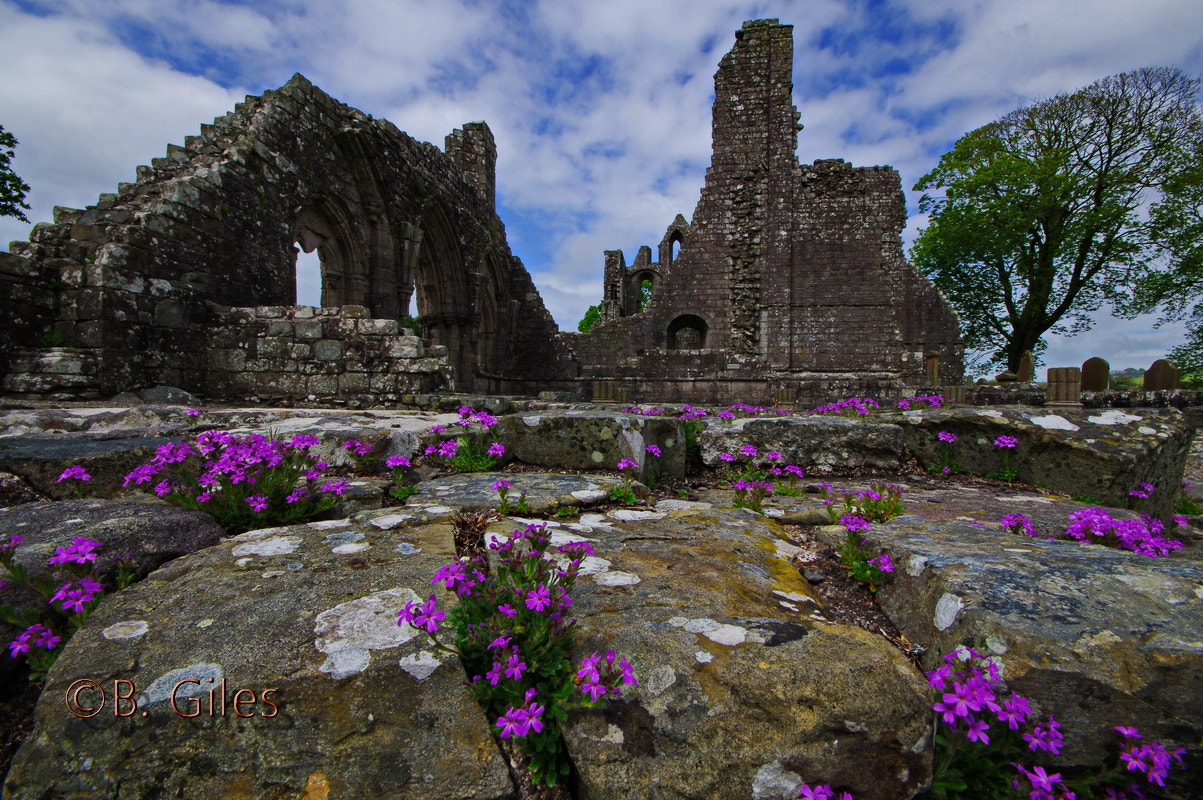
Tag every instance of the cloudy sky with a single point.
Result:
(601, 110)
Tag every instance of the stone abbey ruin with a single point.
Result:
(789, 281)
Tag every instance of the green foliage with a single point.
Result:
(1040, 216)
(624, 494)
(591, 318)
(1185, 504)
(12, 188)
(881, 502)
(645, 294)
(412, 323)
(52, 337)
(402, 492)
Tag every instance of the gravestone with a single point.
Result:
(783, 397)
(953, 394)
(1096, 375)
(1065, 387)
(1027, 367)
(1162, 375)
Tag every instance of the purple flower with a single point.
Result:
(507, 609)
(337, 487)
(654, 450)
(977, 732)
(302, 441)
(1045, 736)
(882, 562)
(1017, 523)
(1128, 732)
(397, 461)
(513, 722)
(496, 450)
(78, 552)
(626, 463)
(141, 474)
(946, 436)
(502, 483)
(514, 667)
(428, 615)
(192, 412)
(448, 448)
(1015, 711)
(726, 457)
(820, 791)
(748, 450)
(539, 598)
(1006, 441)
(74, 472)
(594, 690)
(257, 502)
(853, 523)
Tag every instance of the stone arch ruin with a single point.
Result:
(187, 276)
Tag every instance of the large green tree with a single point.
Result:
(1038, 219)
(1177, 227)
(12, 188)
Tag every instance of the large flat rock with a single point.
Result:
(818, 444)
(358, 707)
(594, 440)
(745, 690)
(1099, 453)
(1098, 636)
(545, 491)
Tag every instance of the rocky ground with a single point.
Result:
(933, 498)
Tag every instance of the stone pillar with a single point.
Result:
(1065, 387)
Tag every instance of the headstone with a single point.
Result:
(1065, 386)
(1162, 375)
(953, 394)
(932, 368)
(783, 397)
(604, 391)
(1096, 375)
(1027, 367)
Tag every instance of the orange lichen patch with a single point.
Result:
(316, 788)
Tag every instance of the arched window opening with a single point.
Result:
(675, 250)
(309, 278)
(645, 293)
(687, 332)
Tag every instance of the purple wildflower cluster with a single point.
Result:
(1009, 442)
(466, 450)
(853, 406)
(930, 401)
(244, 481)
(74, 472)
(973, 697)
(68, 606)
(821, 791)
(1142, 536)
(513, 635)
(1017, 524)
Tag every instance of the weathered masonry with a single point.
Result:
(788, 281)
(187, 276)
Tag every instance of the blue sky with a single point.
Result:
(601, 111)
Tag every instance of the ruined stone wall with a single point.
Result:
(789, 278)
(27, 310)
(319, 355)
(400, 228)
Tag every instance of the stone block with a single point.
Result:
(378, 327)
(308, 329)
(327, 349)
(355, 312)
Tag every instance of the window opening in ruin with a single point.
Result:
(687, 332)
(645, 293)
(309, 278)
(675, 250)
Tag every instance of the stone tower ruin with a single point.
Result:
(789, 278)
